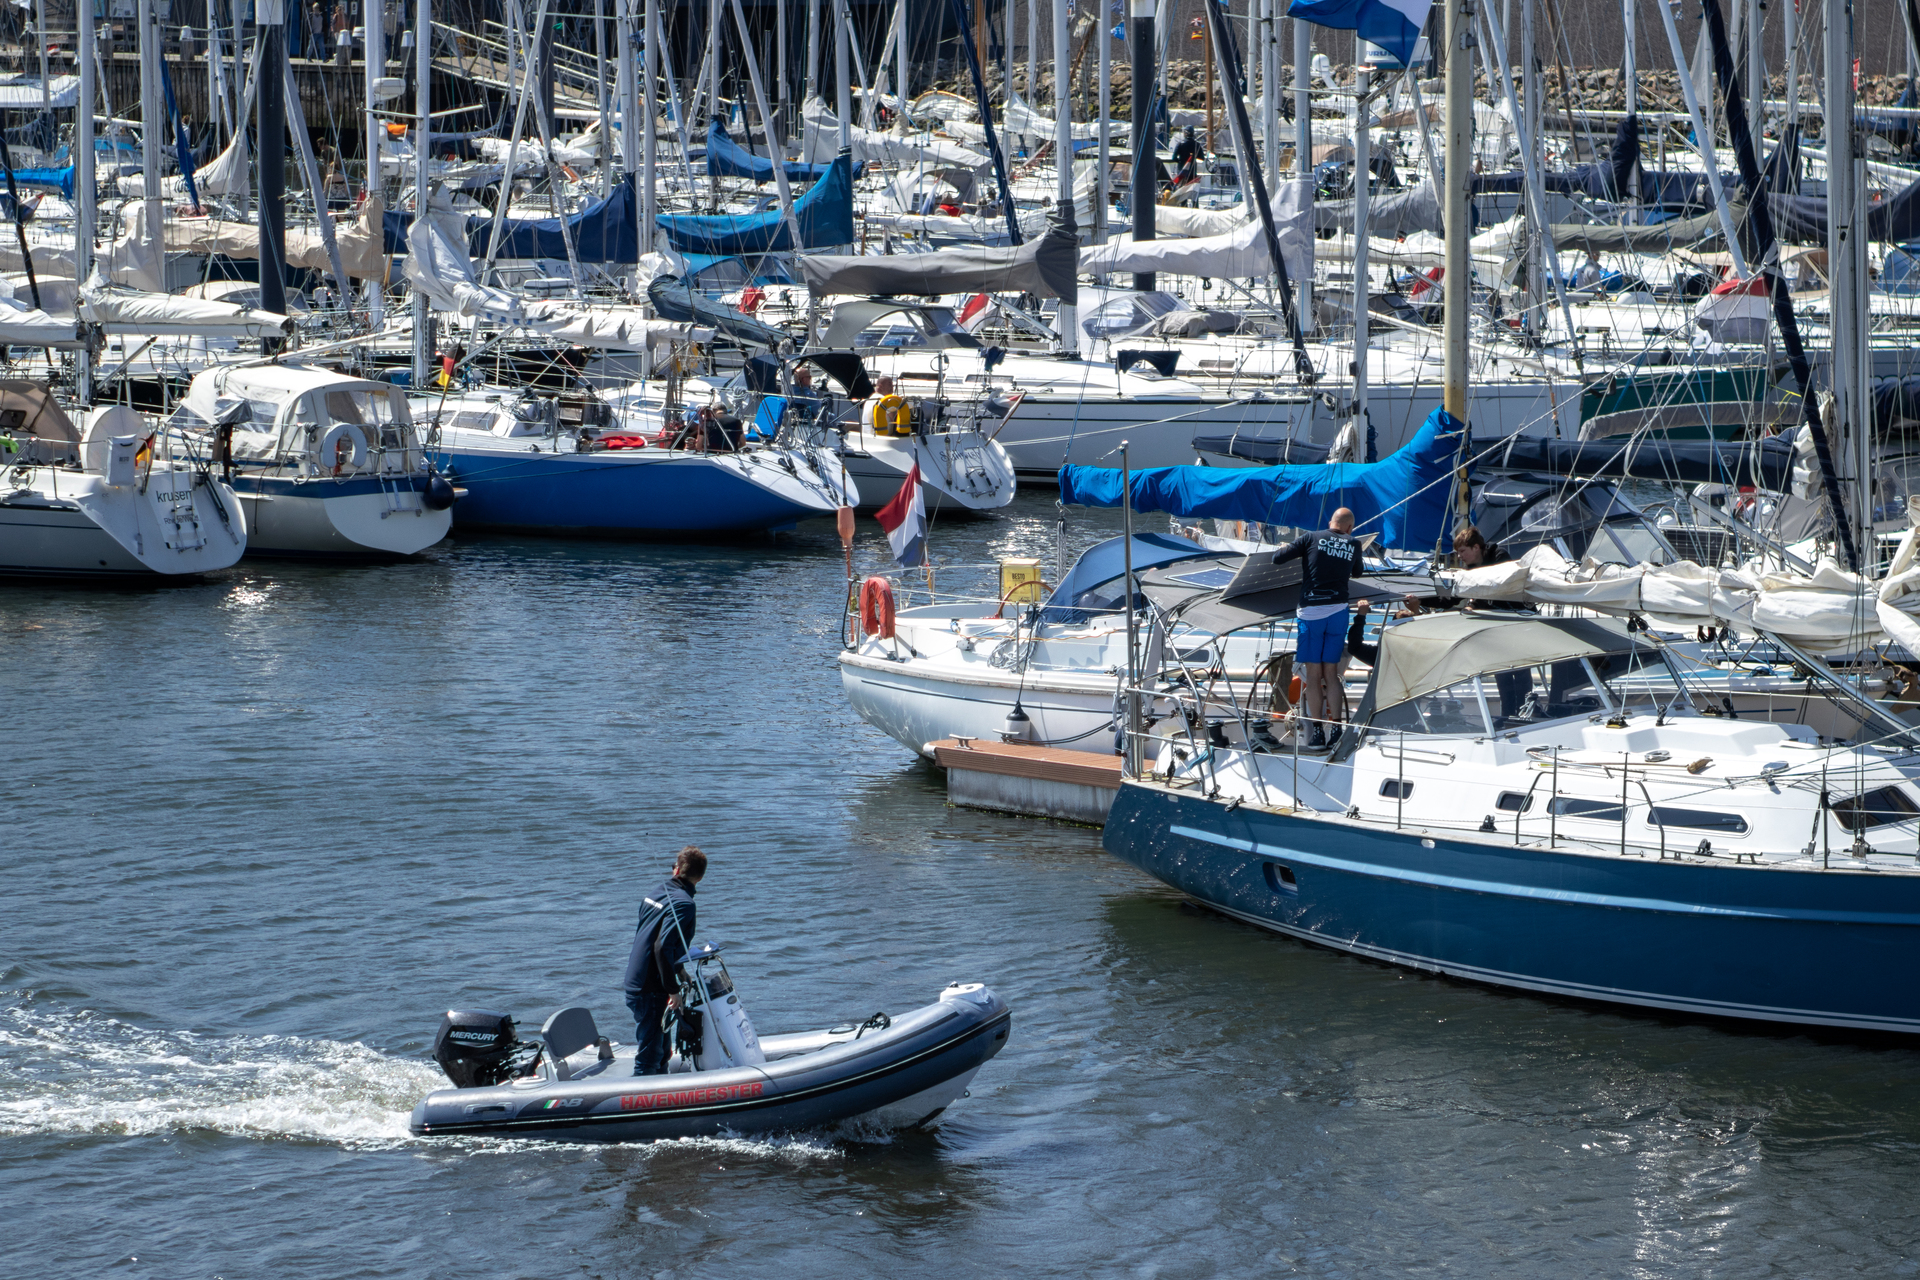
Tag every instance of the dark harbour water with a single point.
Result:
(261, 831)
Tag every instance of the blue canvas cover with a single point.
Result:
(60, 180)
(1402, 498)
(825, 215)
(605, 231)
(728, 159)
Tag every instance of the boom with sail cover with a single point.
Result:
(824, 215)
(728, 159)
(1402, 497)
(1045, 267)
(1766, 463)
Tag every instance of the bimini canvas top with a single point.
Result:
(1432, 651)
(27, 409)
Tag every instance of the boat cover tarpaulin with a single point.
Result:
(605, 231)
(825, 215)
(1403, 497)
(1656, 240)
(23, 326)
(358, 237)
(169, 315)
(675, 299)
(1803, 219)
(1046, 267)
(1239, 253)
(1177, 220)
(21, 94)
(820, 142)
(47, 179)
(1389, 213)
(1828, 610)
(438, 266)
(728, 159)
(1766, 463)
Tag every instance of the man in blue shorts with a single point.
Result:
(1330, 558)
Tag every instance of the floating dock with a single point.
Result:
(1044, 782)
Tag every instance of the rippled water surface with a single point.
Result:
(261, 831)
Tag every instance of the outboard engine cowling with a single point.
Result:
(475, 1047)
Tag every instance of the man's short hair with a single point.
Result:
(1469, 537)
(1334, 520)
(690, 861)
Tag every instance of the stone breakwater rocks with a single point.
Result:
(1591, 89)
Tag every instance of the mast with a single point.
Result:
(1063, 158)
(1303, 143)
(376, 68)
(1851, 374)
(600, 97)
(1362, 197)
(648, 142)
(1629, 68)
(1762, 220)
(1459, 281)
(422, 158)
(902, 76)
(629, 104)
(781, 105)
(1103, 198)
(842, 89)
(272, 108)
(810, 89)
(1145, 190)
(152, 123)
(84, 190)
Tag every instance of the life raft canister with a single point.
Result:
(876, 607)
(892, 416)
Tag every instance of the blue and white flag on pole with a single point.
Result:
(1394, 25)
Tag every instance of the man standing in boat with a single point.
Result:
(1330, 557)
(653, 965)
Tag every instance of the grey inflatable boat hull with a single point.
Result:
(898, 1077)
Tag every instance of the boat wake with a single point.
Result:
(67, 1072)
(82, 1072)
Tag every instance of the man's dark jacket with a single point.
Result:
(658, 947)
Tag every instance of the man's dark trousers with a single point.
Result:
(650, 1038)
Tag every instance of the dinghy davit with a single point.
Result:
(574, 1085)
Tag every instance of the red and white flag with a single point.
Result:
(905, 520)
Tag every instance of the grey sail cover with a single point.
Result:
(1047, 268)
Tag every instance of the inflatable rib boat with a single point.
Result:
(574, 1085)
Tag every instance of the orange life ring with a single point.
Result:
(876, 607)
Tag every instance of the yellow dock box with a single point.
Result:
(1020, 581)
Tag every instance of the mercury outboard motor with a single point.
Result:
(475, 1048)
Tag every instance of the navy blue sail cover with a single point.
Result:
(728, 159)
(825, 215)
(1403, 498)
(605, 231)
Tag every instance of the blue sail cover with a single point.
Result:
(825, 215)
(728, 159)
(1403, 498)
(60, 180)
(605, 231)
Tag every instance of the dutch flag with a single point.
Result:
(1394, 25)
(905, 520)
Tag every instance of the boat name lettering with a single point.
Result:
(690, 1097)
(181, 496)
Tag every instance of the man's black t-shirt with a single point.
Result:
(1330, 560)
